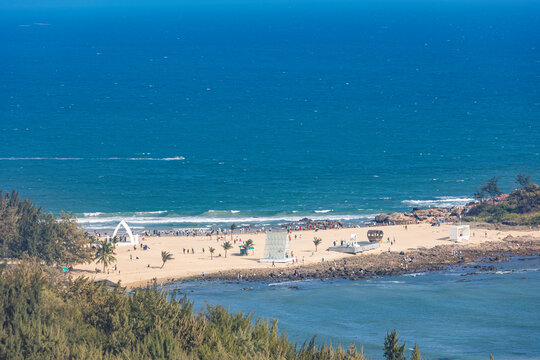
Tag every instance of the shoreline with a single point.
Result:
(371, 266)
(404, 248)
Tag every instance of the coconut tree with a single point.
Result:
(248, 244)
(226, 246)
(317, 241)
(211, 250)
(104, 254)
(166, 256)
(233, 226)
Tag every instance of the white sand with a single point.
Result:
(137, 272)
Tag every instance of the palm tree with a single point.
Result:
(248, 244)
(226, 246)
(104, 254)
(165, 256)
(211, 250)
(233, 226)
(317, 241)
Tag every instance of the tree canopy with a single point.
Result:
(26, 229)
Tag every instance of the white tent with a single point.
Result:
(460, 233)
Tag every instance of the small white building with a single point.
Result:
(460, 233)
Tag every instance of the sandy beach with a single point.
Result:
(138, 267)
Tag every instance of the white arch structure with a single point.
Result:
(133, 239)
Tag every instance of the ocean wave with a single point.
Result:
(151, 212)
(415, 274)
(323, 211)
(94, 221)
(89, 214)
(441, 201)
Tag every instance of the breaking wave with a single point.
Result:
(101, 221)
(442, 201)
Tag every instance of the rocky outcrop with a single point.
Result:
(367, 266)
(431, 215)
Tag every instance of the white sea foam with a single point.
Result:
(323, 211)
(90, 214)
(150, 221)
(151, 212)
(416, 274)
(442, 201)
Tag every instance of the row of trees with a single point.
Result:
(490, 189)
(26, 229)
(104, 253)
(47, 316)
(520, 207)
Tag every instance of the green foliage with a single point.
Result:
(48, 316)
(248, 244)
(226, 246)
(520, 207)
(523, 180)
(166, 256)
(416, 353)
(491, 187)
(25, 229)
(211, 250)
(105, 253)
(317, 241)
(392, 349)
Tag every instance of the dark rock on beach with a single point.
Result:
(365, 266)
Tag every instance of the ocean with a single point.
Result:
(207, 113)
(493, 312)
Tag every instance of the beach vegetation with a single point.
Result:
(415, 355)
(233, 227)
(226, 246)
(491, 188)
(248, 245)
(520, 207)
(26, 230)
(48, 315)
(392, 349)
(105, 254)
(166, 256)
(211, 250)
(523, 180)
(316, 241)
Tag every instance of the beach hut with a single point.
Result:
(375, 235)
(460, 233)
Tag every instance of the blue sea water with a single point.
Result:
(207, 112)
(496, 312)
